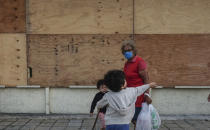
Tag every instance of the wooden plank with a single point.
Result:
(63, 60)
(80, 16)
(13, 66)
(172, 17)
(12, 16)
(177, 60)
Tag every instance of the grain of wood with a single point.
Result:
(12, 16)
(173, 60)
(63, 60)
(176, 60)
(80, 16)
(13, 65)
(172, 17)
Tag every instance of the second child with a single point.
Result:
(102, 90)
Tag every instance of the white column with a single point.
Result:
(47, 101)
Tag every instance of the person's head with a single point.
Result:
(115, 80)
(101, 86)
(128, 49)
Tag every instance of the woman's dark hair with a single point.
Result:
(130, 43)
(114, 80)
(99, 83)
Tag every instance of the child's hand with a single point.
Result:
(91, 114)
(153, 85)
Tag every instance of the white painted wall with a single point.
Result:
(18, 100)
(181, 101)
(177, 101)
(71, 100)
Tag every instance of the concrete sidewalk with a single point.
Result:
(84, 122)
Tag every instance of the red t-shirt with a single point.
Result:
(131, 70)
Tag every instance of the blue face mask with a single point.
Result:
(128, 54)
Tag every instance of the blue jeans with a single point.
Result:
(117, 127)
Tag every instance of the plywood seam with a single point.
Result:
(27, 16)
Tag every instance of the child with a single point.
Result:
(102, 90)
(120, 100)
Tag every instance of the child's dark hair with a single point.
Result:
(114, 80)
(99, 83)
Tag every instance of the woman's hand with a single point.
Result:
(148, 99)
(146, 96)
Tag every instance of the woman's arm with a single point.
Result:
(144, 75)
(142, 70)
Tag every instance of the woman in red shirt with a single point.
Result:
(135, 70)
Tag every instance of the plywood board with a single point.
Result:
(63, 60)
(13, 68)
(12, 16)
(172, 17)
(175, 60)
(80, 16)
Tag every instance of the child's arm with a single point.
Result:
(143, 88)
(93, 104)
(102, 103)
